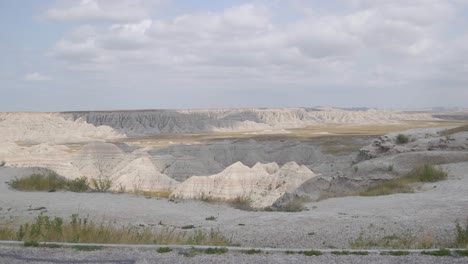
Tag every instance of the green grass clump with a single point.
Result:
(31, 244)
(437, 253)
(402, 139)
(361, 253)
(424, 173)
(396, 253)
(78, 185)
(252, 251)
(101, 184)
(242, 203)
(405, 241)
(83, 230)
(39, 182)
(461, 239)
(86, 248)
(389, 187)
(188, 227)
(312, 253)
(49, 182)
(164, 250)
(212, 251)
(462, 253)
(427, 173)
(210, 218)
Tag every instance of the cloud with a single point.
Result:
(373, 45)
(36, 77)
(102, 10)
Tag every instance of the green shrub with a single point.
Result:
(462, 253)
(312, 253)
(31, 244)
(252, 251)
(101, 184)
(396, 253)
(49, 182)
(242, 203)
(39, 182)
(402, 139)
(427, 173)
(210, 218)
(78, 185)
(86, 248)
(164, 250)
(212, 251)
(437, 253)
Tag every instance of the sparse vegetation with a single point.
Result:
(461, 231)
(312, 253)
(49, 182)
(396, 253)
(402, 139)
(164, 250)
(189, 254)
(462, 253)
(424, 173)
(211, 218)
(294, 205)
(87, 248)
(78, 185)
(83, 230)
(212, 251)
(405, 241)
(437, 253)
(455, 130)
(427, 173)
(252, 251)
(242, 203)
(158, 194)
(188, 227)
(344, 252)
(31, 244)
(101, 184)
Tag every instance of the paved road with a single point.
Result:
(17, 255)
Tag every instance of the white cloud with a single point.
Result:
(374, 44)
(103, 10)
(36, 77)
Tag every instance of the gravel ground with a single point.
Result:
(17, 255)
(331, 223)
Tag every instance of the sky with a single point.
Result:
(157, 54)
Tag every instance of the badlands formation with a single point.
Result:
(239, 155)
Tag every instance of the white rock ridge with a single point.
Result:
(34, 128)
(262, 184)
(147, 122)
